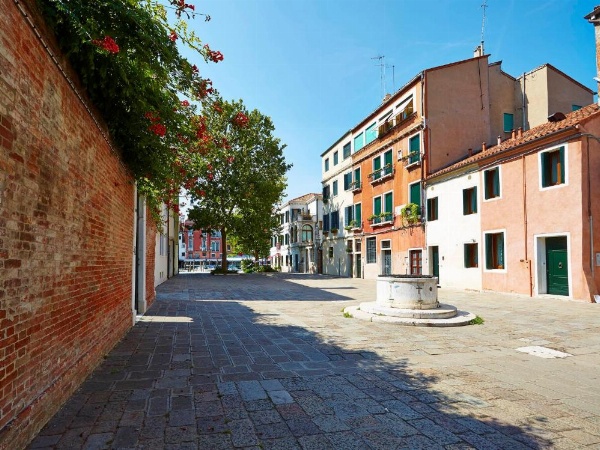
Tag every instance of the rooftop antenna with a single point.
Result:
(483, 6)
(381, 64)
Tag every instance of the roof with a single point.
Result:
(534, 134)
(303, 198)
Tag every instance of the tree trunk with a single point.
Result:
(256, 255)
(224, 250)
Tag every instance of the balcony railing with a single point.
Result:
(382, 173)
(381, 219)
(356, 185)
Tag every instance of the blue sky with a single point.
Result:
(308, 64)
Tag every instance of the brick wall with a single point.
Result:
(66, 230)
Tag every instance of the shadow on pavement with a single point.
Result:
(199, 372)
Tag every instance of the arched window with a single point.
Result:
(307, 233)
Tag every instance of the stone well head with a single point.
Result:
(407, 291)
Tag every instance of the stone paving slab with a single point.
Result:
(270, 362)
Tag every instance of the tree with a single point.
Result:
(240, 177)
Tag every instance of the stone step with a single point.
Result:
(459, 319)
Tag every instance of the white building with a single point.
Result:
(297, 247)
(453, 229)
(338, 207)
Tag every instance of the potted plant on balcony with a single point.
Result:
(372, 217)
(410, 214)
(334, 231)
(351, 225)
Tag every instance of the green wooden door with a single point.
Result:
(557, 270)
(435, 262)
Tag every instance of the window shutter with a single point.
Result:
(376, 163)
(357, 213)
(561, 154)
(500, 249)
(465, 202)
(387, 158)
(544, 169)
(488, 251)
(377, 205)
(326, 222)
(466, 254)
(357, 174)
(497, 182)
(474, 200)
(388, 203)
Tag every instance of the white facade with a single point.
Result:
(161, 249)
(454, 233)
(296, 247)
(337, 178)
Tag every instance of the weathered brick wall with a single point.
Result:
(66, 226)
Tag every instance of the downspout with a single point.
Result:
(425, 154)
(590, 217)
(525, 226)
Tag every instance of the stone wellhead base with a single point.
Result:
(419, 318)
(409, 300)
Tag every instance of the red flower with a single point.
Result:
(173, 36)
(217, 108)
(230, 159)
(241, 120)
(185, 103)
(107, 44)
(213, 55)
(158, 128)
(194, 68)
(204, 88)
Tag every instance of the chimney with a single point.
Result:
(499, 140)
(477, 52)
(483, 147)
(387, 97)
(512, 135)
(470, 152)
(594, 18)
(520, 132)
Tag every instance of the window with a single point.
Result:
(358, 214)
(357, 178)
(388, 206)
(347, 181)
(432, 209)
(348, 210)
(575, 107)
(371, 133)
(491, 179)
(307, 233)
(415, 194)
(371, 250)
(471, 252)
(414, 149)
(335, 220)
(346, 151)
(553, 167)
(377, 208)
(287, 216)
(326, 164)
(387, 162)
(508, 122)
(358, 142)
(326, 192)
(405, 108)
(382, 165)
(335, 188)
(326, 226)
(215, 246)
(335, 158)
(494, 251)
(376, 168)
(470, 201)
(416, 264)
(330, 252)
(286, 240)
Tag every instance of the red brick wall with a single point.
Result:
(66, 227)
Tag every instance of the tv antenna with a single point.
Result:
(381, 65)
(483, 6)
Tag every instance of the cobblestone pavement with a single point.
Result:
(270, 362)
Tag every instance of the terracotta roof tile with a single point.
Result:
(533, 134)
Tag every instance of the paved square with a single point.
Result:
(270, 362)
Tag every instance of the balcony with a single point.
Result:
(382, 174)
(355, 186)
(381, 219)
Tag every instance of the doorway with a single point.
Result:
(358, 266)
(386, 257)
(557, 265)
(435, 261)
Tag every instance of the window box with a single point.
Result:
(334, 231)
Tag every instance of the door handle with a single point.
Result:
(560, 265)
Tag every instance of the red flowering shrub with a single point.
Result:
(213, 55)
(158, 128)
(173, 36)
(240, 120)
(107, 44)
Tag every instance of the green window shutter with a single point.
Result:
(387, 158)
(376, 163)
(544, 169)
(561, 153)
(497, 182)
(415, 194)
(377, 205)
(488, 251)
(466, 255)
(465, 202)
(388, 203)
(358, 142)
(347, 180)
(357, 174)
(371, 133)
(474, 200)
(414, 148)
(347, 150)
(357, 213)
(508, 122)
(500, 248)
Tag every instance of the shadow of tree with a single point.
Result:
(202, 370)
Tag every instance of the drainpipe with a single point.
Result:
(523, 100)
(525, 226)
